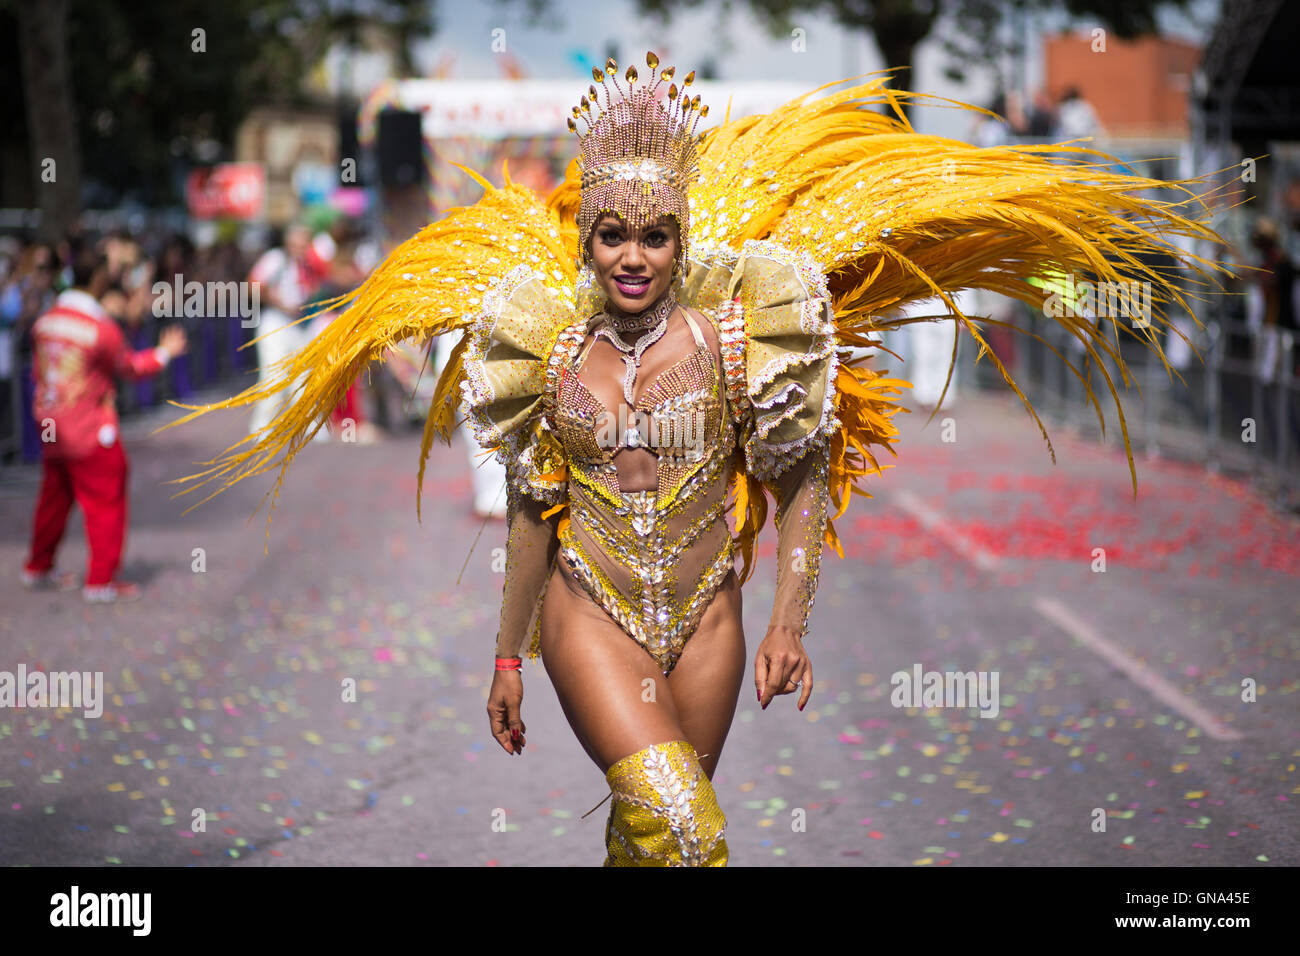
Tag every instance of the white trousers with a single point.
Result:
(926, 349)
(487, 473)
(283, 341)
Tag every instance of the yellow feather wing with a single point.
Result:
(893, 217)
(433, 283)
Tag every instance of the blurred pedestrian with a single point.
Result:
(30, 288)
(487, 473)
(222, 261)
(994, 130)
(286, 275)
(79, 351)
(1291, 207)
(340, 274)
(176, 258)
(1075, 117)
(927, 349)
(1041, 121)
(28, 292)
(1272, 305)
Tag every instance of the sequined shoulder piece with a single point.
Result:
(777, 331)
(512, 352)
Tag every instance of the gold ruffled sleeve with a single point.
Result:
(789, 360)
(513, 353)
(788, 409)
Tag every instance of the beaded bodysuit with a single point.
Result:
(653, 559)
(806, 231)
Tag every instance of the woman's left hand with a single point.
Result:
(781, 666)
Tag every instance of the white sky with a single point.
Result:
(577, 34)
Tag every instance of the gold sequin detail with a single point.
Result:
(664, 810)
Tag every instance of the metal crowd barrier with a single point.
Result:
(1236, 412)
(212, 358)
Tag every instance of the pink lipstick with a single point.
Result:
(632, 286)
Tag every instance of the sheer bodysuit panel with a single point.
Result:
(654, 558)
(651, 558)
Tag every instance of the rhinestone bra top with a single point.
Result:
(678, 417)
(651, 559)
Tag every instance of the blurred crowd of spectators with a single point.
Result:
(34, 272)
(298, 267)
(1069, 117)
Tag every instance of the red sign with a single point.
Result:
(227, 191)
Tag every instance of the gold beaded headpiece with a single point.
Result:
(638, 156)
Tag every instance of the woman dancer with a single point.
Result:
(677, 332)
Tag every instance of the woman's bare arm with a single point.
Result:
(531, 547)
(801, 496)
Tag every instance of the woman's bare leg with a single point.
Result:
(706, 682)
(611, 690)
(614, 695)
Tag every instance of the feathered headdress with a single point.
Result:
(637, 157)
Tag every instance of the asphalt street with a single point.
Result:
(1121, 735)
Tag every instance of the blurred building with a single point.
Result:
(300, 151)
(1139, 89)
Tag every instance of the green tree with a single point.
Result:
(127, 89)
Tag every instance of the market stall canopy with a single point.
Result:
(493, 109)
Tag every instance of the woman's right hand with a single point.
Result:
(504, 700)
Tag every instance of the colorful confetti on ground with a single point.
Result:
(323, 703)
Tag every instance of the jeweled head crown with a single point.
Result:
(638, 156)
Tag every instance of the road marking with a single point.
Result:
(975, 553)
(1137, 672)
(1060, 615)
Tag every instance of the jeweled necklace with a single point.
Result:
(653, 320)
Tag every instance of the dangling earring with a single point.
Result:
(678, 278)
(589, 299)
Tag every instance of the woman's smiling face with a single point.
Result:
(634, 268)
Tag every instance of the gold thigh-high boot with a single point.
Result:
(664, 811)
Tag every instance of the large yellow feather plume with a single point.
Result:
(429, 285)
(893, 217)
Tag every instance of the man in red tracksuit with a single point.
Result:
(79, 351)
